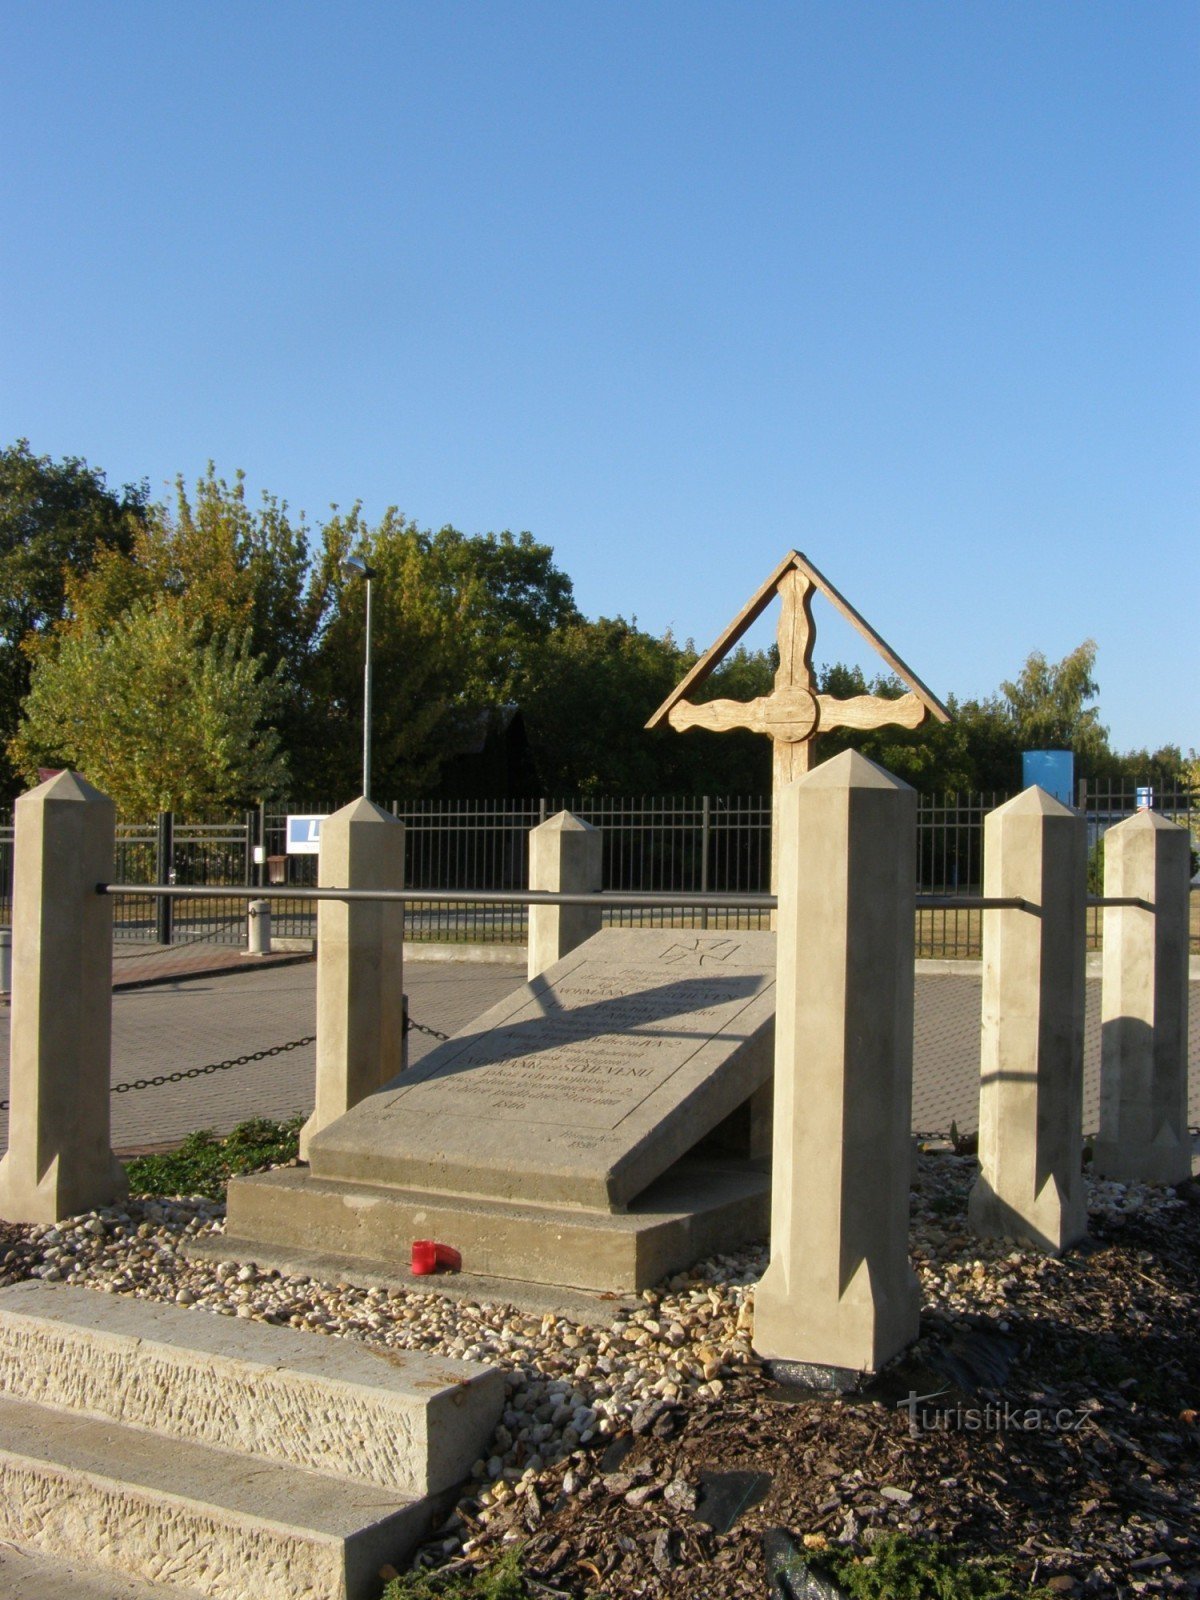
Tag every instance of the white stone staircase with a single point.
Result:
(146, 1444)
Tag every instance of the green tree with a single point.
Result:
(587, 703)
(1164, 769)
(458, 621)
(1048, 704)
(232, 566)
(56, 520)
(977, 750)
(414, 654)
(508, 598)
(586, 707)
(233, 569)
(153, 714)
(236, 565)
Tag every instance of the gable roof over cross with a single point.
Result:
(793, 714)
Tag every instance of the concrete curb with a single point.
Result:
(928, 967)
(215, 969)
(514, 955)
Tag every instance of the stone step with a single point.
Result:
(406, 1422)
(164, 1510)
(25, 1575)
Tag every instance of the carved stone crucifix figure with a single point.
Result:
(793, 714)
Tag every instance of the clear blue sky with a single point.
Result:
(911, 287)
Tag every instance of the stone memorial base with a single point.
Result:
(691, 1213)
(605, 1125)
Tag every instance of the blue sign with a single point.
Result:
(304, 835)
(1052, 770)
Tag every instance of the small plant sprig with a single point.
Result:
(501, 1581)
(900, 1567)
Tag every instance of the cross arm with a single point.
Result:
(871, 711)
(722, 716)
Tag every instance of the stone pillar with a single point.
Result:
(59, 1159)
(565, 856)
(1144, 1004)
(1031, 1045)
(360, 963)
(839, 1291)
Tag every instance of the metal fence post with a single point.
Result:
(705, 839)
(404, 1033)
(165, 874)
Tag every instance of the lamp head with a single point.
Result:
(356, 567)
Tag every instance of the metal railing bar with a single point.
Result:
(974, 902)
(518, 897)
(674, 899)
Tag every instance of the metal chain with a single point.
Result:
(179, 944)
(200, 1072)
(412, 1026)
(213, 1066)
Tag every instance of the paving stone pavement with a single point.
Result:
(191, 1022)
(138, 966)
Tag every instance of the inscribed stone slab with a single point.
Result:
(583, 1086)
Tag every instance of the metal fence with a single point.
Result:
(699, 844)
(174, 852)
(651, 843)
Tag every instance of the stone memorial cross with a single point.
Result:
(793, 714)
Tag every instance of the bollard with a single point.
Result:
(1030, 1185)
(839, 1292)
(59, 1160)
(565, 856)
(5, 960)
(360, 963)
(1144, 1135)
(258, 934)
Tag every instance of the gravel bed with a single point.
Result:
(610, 1435)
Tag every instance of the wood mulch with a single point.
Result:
(1064, 1435)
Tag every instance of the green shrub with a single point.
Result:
(1095, 878)
(204, 1163)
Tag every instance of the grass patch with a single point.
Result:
(900, 1567)
(502, 1581)
(205, 1162)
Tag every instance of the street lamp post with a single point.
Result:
(356, 567)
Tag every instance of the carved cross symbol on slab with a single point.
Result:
(793, 714)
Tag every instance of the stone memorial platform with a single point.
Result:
(603, 1125)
